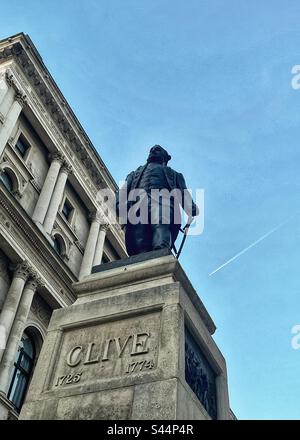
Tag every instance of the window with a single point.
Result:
(22, 146)
(7, 181)
(23, 367)
(67, 210)
(57, 245)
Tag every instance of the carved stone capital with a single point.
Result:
(11, 82)
(9, 77)
(57, 156)
(21, 98)
(22, 270)
(96, 216)
(104, 227)
(66, 168)
(34, 282)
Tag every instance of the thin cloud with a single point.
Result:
(250, 246)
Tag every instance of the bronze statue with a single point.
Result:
(151, 200)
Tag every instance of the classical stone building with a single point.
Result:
(52, 229)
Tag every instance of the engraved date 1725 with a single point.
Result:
(68, 379)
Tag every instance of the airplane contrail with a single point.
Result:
(250, 246)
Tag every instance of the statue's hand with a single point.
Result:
(189, 222)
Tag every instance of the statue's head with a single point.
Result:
(158, 154)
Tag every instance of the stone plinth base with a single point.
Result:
(135, 345)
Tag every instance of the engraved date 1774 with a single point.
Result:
(134, 367)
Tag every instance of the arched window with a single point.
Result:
(57, 245)
(7, 180)
(21, 374)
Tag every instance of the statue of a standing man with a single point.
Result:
(151, 198)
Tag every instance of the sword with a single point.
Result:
(185, 232)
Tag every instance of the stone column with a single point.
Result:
(56, 198)
(11, 119)
(3, 89)
(89, 252)
(100, 244)
(48, 188)
(4, 278)
(12, 299)
(15, 336)
(7, 93)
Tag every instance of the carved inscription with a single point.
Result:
(139, 366)
(90, 354)
(108, 350)
(70, 378)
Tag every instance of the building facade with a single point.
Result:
(53, 227)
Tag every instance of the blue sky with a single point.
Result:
(211, 82)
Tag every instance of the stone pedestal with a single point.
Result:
(135, 345)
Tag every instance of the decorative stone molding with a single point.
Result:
(65, 227)
(11, 81)
(47, 120)
(66, 168)
(57, 156)
(97, 216)
(36, 186)
(22, 270)
(79, 245)
(79, 142)
(104, 227)
(19, 183)
(10, 78)
(21, 98)
(60, 123)
(34, 282)
(57, 231)
(4, 220)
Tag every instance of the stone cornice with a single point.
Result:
(58, 108)
(64, 124)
